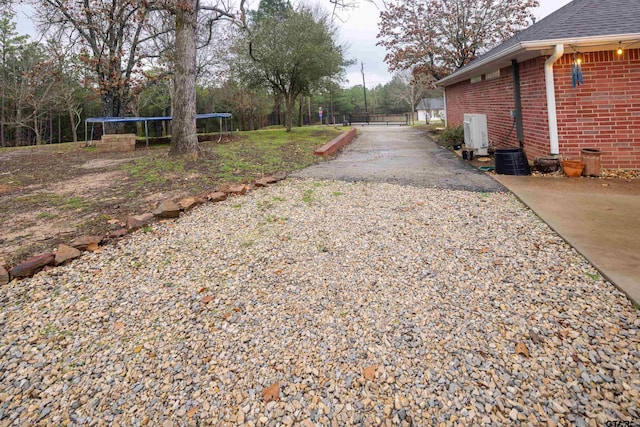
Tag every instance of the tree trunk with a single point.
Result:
(2, 117)
(18, 127)
(72, 120)
(290, 101)
(300, 111)
(184, 138)
(108, 110)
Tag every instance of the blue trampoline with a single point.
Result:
(93, 120)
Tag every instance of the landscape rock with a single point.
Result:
(216, 196)
(236, 189)
(279, 176)
(262, 182)
(116, 234)
(83, 242)
(4, 276)
(136, 222)
(32, 265)
(167, 209)
(188, 203)
(65, 253)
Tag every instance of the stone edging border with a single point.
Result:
(166, 209)
(336, 143)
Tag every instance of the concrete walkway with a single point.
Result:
(400, 155)
(598, 217)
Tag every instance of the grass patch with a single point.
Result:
(307, 196)
(46, 215)
(77, 203)
(593, 276)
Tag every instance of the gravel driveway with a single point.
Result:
(325, 303)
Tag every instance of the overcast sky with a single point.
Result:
(361, 28)
(359, 31)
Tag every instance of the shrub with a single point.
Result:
(452, 136)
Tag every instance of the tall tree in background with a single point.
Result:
(111, 33)
(436, 37)
(10, 45)
(407, 89)
(292, 54)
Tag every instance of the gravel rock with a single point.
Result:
(308, 283)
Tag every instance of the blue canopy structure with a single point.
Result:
(103, 120)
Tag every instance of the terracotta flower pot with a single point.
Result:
(572, 167)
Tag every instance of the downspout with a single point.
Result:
(551, 99)
(517, 101)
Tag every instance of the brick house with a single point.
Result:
(568, 82)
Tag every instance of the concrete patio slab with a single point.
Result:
(599, 217)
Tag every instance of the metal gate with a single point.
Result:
(379, 119)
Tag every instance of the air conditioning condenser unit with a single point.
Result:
(475, 133)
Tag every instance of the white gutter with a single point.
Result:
(508, 54)
(551, 99)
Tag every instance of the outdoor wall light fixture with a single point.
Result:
(576, 70)
(619, 51)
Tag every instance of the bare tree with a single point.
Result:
(436, 37)
(407, 89)
(111, 36)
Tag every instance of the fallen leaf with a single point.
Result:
(92, 247)
(483, 251)
(227, 316)
(201, 290)
(277, 272)
(113, 221)
(605, 185)
(191, 412)
(138, 349)
(207, 299)
(271, 393)
(522, 349)
(537, 339)
(370, 372)
(237, 309)
(608, 208)
(118, 325)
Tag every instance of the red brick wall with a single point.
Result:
(493, 98)
(603, 113)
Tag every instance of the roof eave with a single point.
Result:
(526, 46)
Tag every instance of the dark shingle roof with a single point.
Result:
(580, 19)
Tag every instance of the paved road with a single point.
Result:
(401, 155)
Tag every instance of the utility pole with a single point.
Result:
(364, 88)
